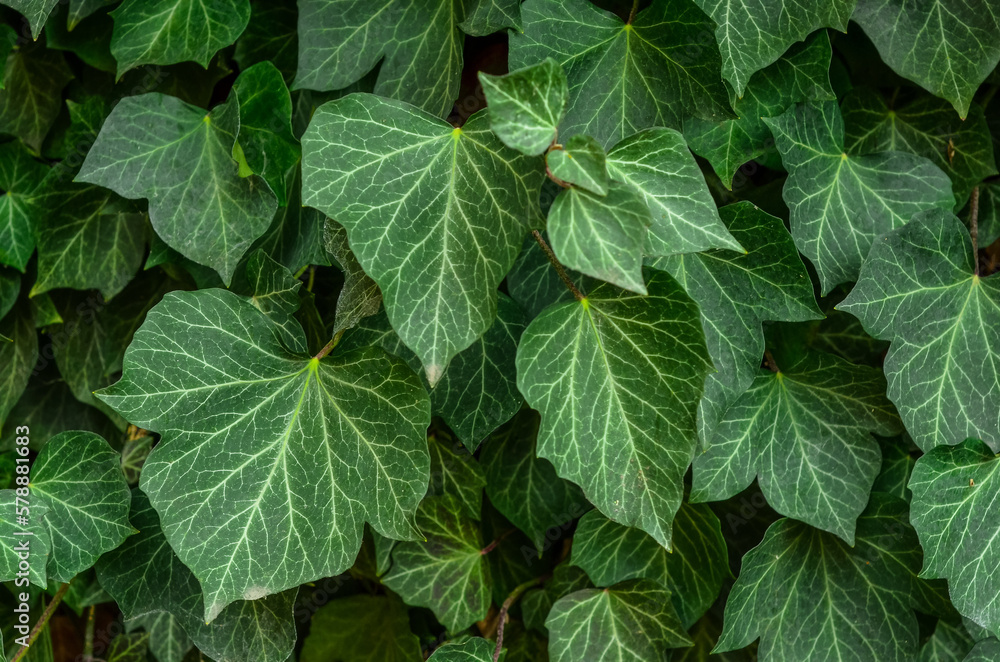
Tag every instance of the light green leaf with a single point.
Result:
(918, 289)
(581, 162)
(36, 11)
(483, 17)
(20, 175)
(78, 478)
(525, 488)
(657, 165)
(659, 81)
(475, 649)
(617, 379)
(147, 580)
(948, 47)
(808, 596)
(32, 534)
(88, 238)
(752, 35)
(155, 146)
(804, 432)
(693, 572)
(454, 471)
(601, 236)
(33, 79)
(18, 352)
(633, 620)
(926, 127)
(171, 31)
(324, 436)
(526, 106)
(447, 571)
(839, 203)
(362, 628)
(736, 292)
(359, 297)
(466, 198)
(801, 74)
(418, 43)
(949, 643)
(954, 512)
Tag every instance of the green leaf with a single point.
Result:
(171, 31)
(919, 290)
(659, 83)
(18, 352)
(580, 162)
(801, 74)
(897, 465)
(693, 572)
(265, 133)
(633, 620)
(30, 100)
(948, 47)
(526, 488)
(362, 628)
(419, 46)
(617, 379)
(537, 603)
(154, 146)
(752, 35)
(79, 10)
(534, 284)
(295, 238)
(736, 293)
(526, 106)
(475, 649)
(88, 238)
(77, 476)
(368, 160)
(657, 165)
(984, 651)
(601, 236)
(147, 580)
(808, 596)
(447, 571)
(36, 11)
(926, 127)
(128, 648)
(167, 639)
(47, 406)
(483, 17)
(274, 292)
(34, 535)
(840, 203)
(953, 510)
(20, 175)
(325, 461)
(454, 471)
(10, 287)
(949, 643)
(270, 36)
(804, 432)
(989, 213)
(359, 297)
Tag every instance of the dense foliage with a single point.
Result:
(461, 330)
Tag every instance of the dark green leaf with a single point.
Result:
(20, 175)
(270, 36)
(33, 79)
(33, 534)
(128, 648)
(454, 471)
(475, 649)
(36, 11)
(18, 351)
(483, 17)
(949, 643)
(360, 297)
(362, 628)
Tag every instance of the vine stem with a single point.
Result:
(88, 637)
(772, 365)
(327, 348)
(635, 7)
(493, 545)
(46, 615)
(507, 604)
(974, 227)
(560, 269)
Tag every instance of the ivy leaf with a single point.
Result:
(79, 10)
(736, 293)
(525, 488)
(171, 31)
(753, 35)
(88, 238)
(167, 639)
(657, 165)
(37, 539)
(919, 290)
(484, 17)
(90, 41)
(270, 36)
(808, 595)
(633, 620)
(129, 648)
(265, 127)
(274, 292)
(534, 284)
(419, 46)
(48, 407)
(984, 651)
(949, 643)
(804, 431)
(362, 628)
(475, 649)
(360, 297)
(526, 106)
(660, 81)
(438, 271)
(10, 287)
(926, 127)
(36, 11)
(454, 471)
(20, 175)
(322, 457)
(447, 571)
(989, 213)
(154, 146)
(954, 490)
(839, 203)
(537, 603)
(18, 352)
(295, 237)
(693, 572)
(31, 97)
(801, 74)
(581, 162)
(946, 47)
(147, 579)
(78, 478)
(617, 379)
(601, 236)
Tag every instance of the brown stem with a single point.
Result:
(553, 177)
(88, 637)
(507, 604)
(493, 545)
(560, 269)
(635, 7)
(772, 365)
(974, 227)
(46, 615)
(327, 348)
